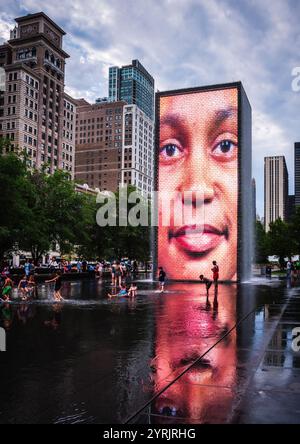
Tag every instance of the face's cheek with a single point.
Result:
(171, 177)
(163, 245)
(170, 180)
(226, 186)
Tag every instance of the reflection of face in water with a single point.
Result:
(198, 152)
(186, 328)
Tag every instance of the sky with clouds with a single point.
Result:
(187, 43)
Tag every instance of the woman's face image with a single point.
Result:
(198, 154)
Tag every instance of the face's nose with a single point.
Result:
(197, 186)
(200, 195)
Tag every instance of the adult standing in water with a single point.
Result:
(118, 273)
(113, 274)
(28, 267)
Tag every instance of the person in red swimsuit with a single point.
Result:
(215, 271)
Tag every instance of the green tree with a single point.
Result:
(120, 241)
(95, 243)
(14, 188)
(39, 210)
(59, 214)
(134, 242)
(279, 241)
(295, 231)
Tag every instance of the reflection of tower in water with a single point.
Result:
(186, 327)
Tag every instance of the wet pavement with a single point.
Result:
(169, 358)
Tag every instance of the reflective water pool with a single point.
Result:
(177, 357)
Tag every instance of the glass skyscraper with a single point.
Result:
(133, 84)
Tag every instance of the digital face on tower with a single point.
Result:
(198, 172)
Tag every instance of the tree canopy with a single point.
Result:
(40, 210)
(282, 239)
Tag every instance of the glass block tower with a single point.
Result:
(134, 85)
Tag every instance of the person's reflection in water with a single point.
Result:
(132, 304)
(207, 304)
(55, 321)
(25, 312)
(215, 303)
(6, 316)
(186, 328)
(290, 282)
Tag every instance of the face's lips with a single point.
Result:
(198, 240)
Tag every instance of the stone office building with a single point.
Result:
(32, 97)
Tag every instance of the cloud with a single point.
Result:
(188, 43)
(6, 24)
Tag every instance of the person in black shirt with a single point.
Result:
(58, 283)
(161, 278)
(207, 283)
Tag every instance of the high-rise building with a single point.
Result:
(32, 105)
(114, 145)
(276, 189)
(69, 134)
(99, 129)
(297, 173)
(290, 207)
(133, 84)
(138, 149)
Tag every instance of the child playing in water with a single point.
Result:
(132, 292)
(161, 279)
(23, 286)
(58, 283)
(122, 292)
(207, 283)
(7, 288)
(32, 287)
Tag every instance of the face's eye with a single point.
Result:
(170, 152)
(225, 151)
